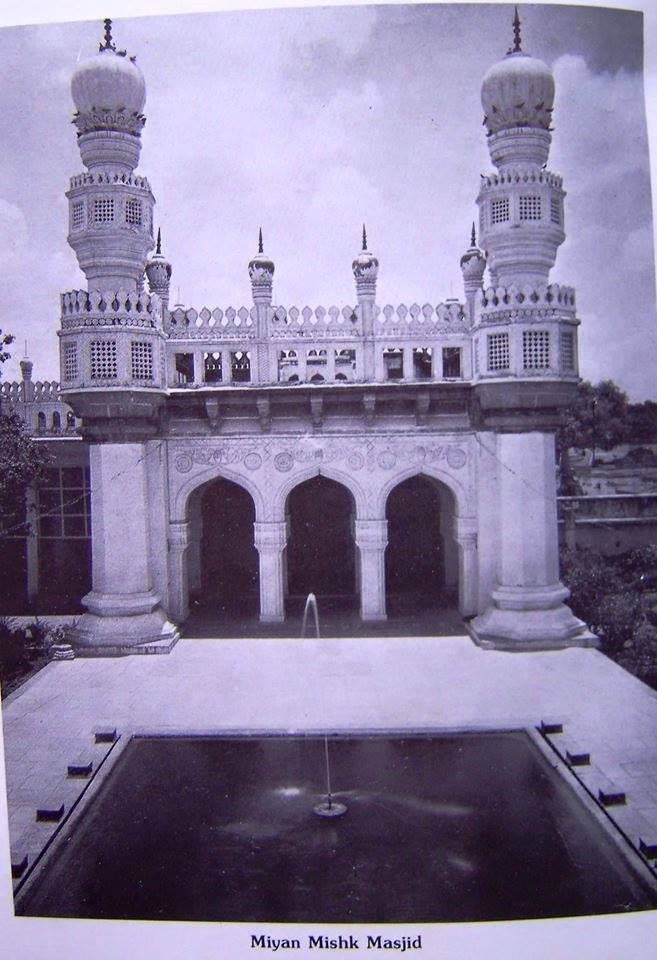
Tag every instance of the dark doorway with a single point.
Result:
(228, 557)
(321, 550)
(415, 555)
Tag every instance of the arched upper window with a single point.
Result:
(56, 421)
(41, 422)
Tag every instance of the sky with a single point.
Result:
(309, 122)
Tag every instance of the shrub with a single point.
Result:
(639, 654)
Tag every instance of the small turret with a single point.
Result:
(26, 366)
(261, 273)
(366, 271)
(158, 272)
(473, 265)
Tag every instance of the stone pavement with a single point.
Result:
(383, 683)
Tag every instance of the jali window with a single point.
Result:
(535, 349)
(70, 361)
(103, 210)
(567, 346)
(133, 211)
(499, 210)
(78, 215)
(530, 207)
(498, 351)
(142, 360)
(103, 360)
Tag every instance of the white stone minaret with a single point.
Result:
(365, 268)
(112, 369)
(110, 209)
(520, 207)
(524, 337)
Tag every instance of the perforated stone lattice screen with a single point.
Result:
(70, 361)
(103, 360)
(78, 215)
(530, 207)
(103, 210)
(142, 360)
(555, 210)
(536, 349)
(498, 351)
(133, 212)
(567, 345)
(499, 210)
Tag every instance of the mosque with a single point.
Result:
(387, 456)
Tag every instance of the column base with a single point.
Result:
(373, 617)
(272, 618)
(120, 624)
(525, 619)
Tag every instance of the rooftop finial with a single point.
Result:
(364, 238)
(516, 33)
(473, 236)
(108, 45)
(260, 246)
(158, 249)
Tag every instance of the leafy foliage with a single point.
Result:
(22, 462)
(5, 340)
(597, 418)
(605, 593)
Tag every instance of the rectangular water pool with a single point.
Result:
(438, 828)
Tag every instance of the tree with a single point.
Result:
(22, 462)
(598, 419)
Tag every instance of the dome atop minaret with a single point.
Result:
(260, 266)
(518, 91)
(365, 266)
(473, 262)
(110, 82)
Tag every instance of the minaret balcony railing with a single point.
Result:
(512, 176)
(543, 301)
(81, 308)
(94, 179)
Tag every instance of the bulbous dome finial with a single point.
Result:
(365, 266)
(260, 265)
(473, 262)
(108, 89)
(518, 91)
(158, 270)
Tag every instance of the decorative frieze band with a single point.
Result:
(366, 454)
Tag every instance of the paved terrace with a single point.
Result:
(208, 686)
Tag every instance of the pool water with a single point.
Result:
(438, 828)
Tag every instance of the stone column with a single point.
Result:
(270, 541)
(465, 534)
(124, 610)
(225, 366)
(527, 608)
(407, 363)
(301, 362)
(178, 573)
(330, 363)
(371, 540)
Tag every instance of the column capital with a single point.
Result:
(270, 536)
(371, 534)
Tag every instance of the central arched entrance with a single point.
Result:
(223, 562)
(421, 557)
(321, 553)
